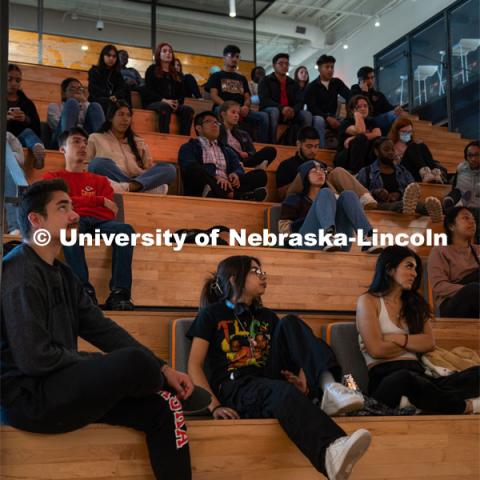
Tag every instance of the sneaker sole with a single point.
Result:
(360, 441)
(434, 209)
(410, 198)
(345, 407)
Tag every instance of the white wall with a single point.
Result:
(370, 40)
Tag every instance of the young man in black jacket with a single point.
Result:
(384, 113)
(321, 97)
(48, 386)
(279, 97)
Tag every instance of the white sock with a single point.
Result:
(475, 404)
(325, 379)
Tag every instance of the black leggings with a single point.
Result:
(390, 381)
(184, 113)
(464, 304)
(195, 178)
(358, 154)
(266, 153)
(294, 346)
(117, 388)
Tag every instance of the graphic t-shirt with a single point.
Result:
(230, 86)
(240, 339)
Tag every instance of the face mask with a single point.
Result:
(405, 137)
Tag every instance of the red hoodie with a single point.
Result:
(88, 192)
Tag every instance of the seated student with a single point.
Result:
(74, 111)
(212, 169)
(257, 75)
(48, 386)
(321, 97)
(164, 91)
(301, 78)
(240, 140)
(228, 84)
(22, 116)
(317, 207)
(190, 85)
(308, 144)
(15, 181)
(394, 324)
(257, 366)
(454, 270)
(393, 186)
(92, 197)
(116, 152)
(383, 112)
(131, 76)
(414, 155)
(356, 134)
(105, 82)
(279, 97)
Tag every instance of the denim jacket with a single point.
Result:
(371, 179)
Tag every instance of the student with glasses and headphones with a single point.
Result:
(257, 366)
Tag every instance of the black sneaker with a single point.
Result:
(257, 195)
(91, 294)
(119, 300)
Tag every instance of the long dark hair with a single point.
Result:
(129, 134)
(218, 286)
(295, 75)
(449, 220)
(101, 61)
(171, 67)
(353, 103)
(415, 309)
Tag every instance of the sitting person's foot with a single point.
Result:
(368, 202)
(448, 203)
(342, 455)
(437, 175)
(339, 399)
(160, 190)
(410, 198)
(38, 151)
(434, 209)
(15, 232)
(119, 299)
(427, 175)
(91, 294)
(257, 195)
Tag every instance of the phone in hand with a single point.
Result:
(14, 109)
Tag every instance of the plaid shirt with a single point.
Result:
(212, 153)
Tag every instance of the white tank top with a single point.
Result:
(386, 326)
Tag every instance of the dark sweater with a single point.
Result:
(378, 100)
(157, 88)
(103, 83)
(44, 309)
(29, 109)
(242, 136)
(323, 102)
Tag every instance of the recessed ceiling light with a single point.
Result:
(84, 47)
(377, 23)
(345, 46)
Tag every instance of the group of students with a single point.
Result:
(253, 364)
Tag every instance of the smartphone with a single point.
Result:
(14, 109)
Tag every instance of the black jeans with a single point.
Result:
(294, 346)
(389, 381)
(195, 178)
(184, 112)
(266, 153)
(464, 304)
(121, 256)
(359, 154)
(117, 388)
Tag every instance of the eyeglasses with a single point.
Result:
(76, 89)
(211, 122)
(258, 272)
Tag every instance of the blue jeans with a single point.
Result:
(14, 178)
(94, 118)
(303, 119)
(319, 125)
(28, 138)
(262, 122)
(121, 256)
(345, 214)
(385, 120)
(159, 174)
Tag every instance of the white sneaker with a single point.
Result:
(206, 190)
(434, 209)
(345, 452)
(411, 196)
(161, 190)
(118, 187)
(339, 399)
(15, 232)
(262, 166)
(368, 202)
